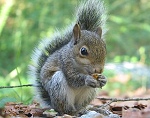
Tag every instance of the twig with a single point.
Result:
(28, 85)
(111, 100)
(106, 104)
(126, 99)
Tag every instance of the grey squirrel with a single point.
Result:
(63, 65)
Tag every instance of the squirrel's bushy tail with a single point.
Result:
(92, 14)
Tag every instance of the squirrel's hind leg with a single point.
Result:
(61, 96)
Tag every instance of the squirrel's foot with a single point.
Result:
(71, 110)
(82, 112)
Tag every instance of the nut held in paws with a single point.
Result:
(96, 76)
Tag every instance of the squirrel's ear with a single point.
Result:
(76, 33)
(99, 31)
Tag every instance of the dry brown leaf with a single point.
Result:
(20, 110)
(131, 113)
(116, 110)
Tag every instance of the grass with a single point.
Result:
(22, 94)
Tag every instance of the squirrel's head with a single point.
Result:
(89, 50)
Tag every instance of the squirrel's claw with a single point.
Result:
(91, 82)
(96, 83)
(101, 81)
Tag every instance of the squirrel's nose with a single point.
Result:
(98, 70)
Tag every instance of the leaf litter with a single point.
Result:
(125, 109)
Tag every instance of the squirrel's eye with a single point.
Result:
(83, 51)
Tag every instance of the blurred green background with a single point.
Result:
(23, 23)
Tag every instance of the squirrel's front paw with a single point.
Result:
(90, 81)
(101, 81)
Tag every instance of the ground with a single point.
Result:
(125, 108)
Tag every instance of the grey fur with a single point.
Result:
(64, 77)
